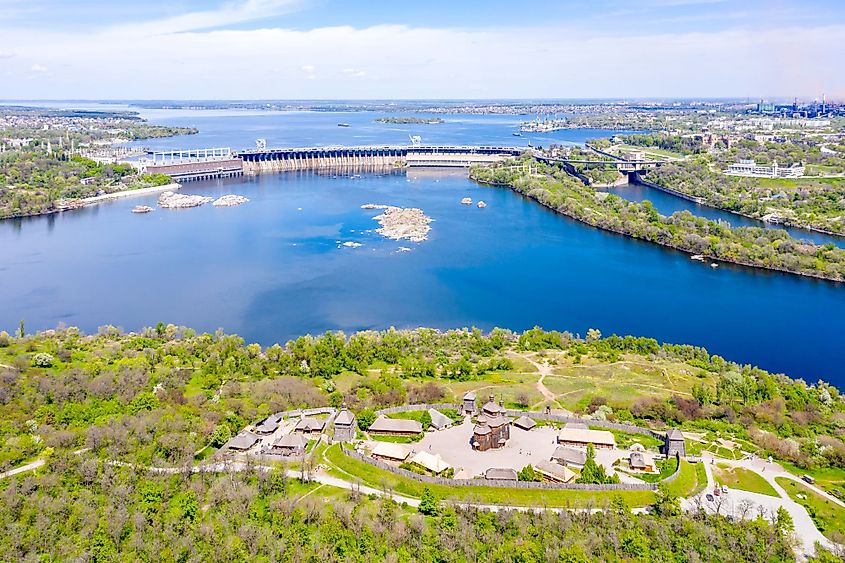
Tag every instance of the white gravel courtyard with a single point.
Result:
(524, 448)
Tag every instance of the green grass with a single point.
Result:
(354, 469)
(652, 150)
(687, 482)
(828, 517)
(624, 440)
(829, 479)
(701, 477)
(742, 479)
(796, 183)
(397, 439)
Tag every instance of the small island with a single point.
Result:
(229, 200)
(170, 200)
(399, 223)
(410, 120)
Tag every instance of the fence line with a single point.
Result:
(482, 482)
(536, 415)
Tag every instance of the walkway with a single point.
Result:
(745, 504)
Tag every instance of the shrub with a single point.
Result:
(42, 360)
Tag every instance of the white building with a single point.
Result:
(749, 168)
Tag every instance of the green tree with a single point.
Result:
(429, 504)
(366, 417)
(527, 473)
(425, 420)
(143, 402)
(593, 473)
(665, 502)
(102, 547)
(783, 522)
(222, 434)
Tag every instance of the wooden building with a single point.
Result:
(491, 433)
(674, 443)
(345, 426)
(395, 426)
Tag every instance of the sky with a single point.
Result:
(431, 49)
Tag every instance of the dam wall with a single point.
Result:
(370, 158)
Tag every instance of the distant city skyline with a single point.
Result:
(329, 49)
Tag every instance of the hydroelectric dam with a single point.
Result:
(202, 164)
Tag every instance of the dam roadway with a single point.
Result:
(194, 165)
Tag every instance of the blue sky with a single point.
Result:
(434, 49)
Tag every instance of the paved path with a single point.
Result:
(32, 466)
(23, 468)
(745, 504)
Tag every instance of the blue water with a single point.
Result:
(240, 129)
(276, 268)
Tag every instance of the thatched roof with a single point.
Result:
(390, 450)
(569, 456)
(587, 436)
(438, 419)
(243, 441)
(397, 425)
(433, 463)
(524, 422)
(501, 474)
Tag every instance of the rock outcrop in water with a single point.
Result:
(170, 200)
(399, 223)
(229, 200)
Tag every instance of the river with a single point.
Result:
(276, 267)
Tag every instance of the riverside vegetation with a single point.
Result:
(771, 249)
(163, 396)
(168, 396)
(41, 170)
(816, 202)
(35, 182)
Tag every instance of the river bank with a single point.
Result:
(534, 194)
(129, 193)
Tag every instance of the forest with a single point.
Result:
(161, 397)
(33, 181)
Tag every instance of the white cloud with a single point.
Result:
(38, 68)
(230, 13)
(6, 54)
(407, 62)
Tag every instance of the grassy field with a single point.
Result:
(687, 482)
(652, 151)
(356, 470)
(742, 479)
(701, 478)
(828, 517)
(797, 183)
(828, 479)
(624, 440)
(620, 382)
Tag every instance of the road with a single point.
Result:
(748, 505)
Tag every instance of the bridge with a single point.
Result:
(202, 164)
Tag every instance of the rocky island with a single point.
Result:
(229, 200)
(399, 223)
(170, 200)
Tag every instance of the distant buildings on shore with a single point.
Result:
(750, 168)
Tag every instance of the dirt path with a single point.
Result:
(544, 369)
